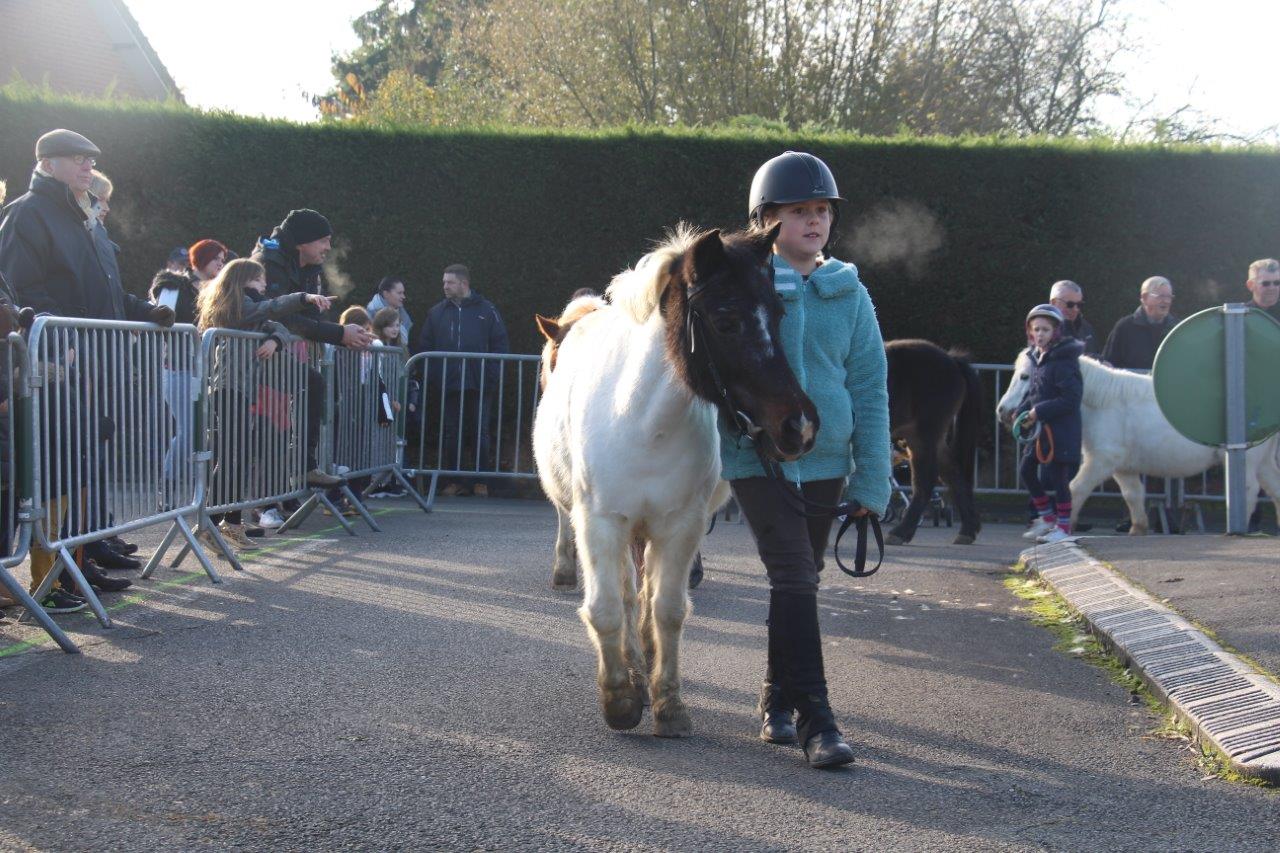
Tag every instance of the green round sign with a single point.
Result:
(1190, 377)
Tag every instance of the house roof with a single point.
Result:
(88, 47)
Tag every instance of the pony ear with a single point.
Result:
(550, 328)
(708, 253)
(764, 240)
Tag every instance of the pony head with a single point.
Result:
(723, 317)
(1016, 392)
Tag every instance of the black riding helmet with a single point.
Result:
(790, 177)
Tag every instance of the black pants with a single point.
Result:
(791, 546)
(315, 414)
(1053, 477)
(466, 419)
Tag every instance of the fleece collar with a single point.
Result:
(831, 279)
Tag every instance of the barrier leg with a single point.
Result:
(300, 515)
(404, 482)
(37, 612)
(158, 556)
(336, 513)
(195, 548)
(360, 508)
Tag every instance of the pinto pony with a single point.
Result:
(627, 444)
(1126, 435)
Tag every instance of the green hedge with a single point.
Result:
(536, 215)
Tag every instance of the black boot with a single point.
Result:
(778, 725)
(793, 620)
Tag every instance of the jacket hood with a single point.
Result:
(56, 189)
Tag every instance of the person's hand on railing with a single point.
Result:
(321, 302)
(268, 349)
(356, 337)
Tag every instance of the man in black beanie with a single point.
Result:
(293, 257)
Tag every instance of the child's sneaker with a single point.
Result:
(271, 519)
(1057, 534)
(1040, 528)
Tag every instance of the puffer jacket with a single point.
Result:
(1055, 392)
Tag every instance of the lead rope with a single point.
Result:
(795, 500)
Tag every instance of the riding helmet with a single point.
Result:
(790, 177)
(1047, 311)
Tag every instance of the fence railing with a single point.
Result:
(110, 427)
(471, 416)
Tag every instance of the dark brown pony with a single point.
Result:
(935, 409)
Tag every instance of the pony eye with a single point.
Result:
(727, 325)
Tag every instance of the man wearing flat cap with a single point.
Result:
(54, 253)
(58, 259)
(293, 257)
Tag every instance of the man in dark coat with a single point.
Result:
(466, 322)
(58, 259)
(1068, 297)
(293, 257)
(1133, 342)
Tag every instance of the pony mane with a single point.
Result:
(1105, 385)
(638, 291)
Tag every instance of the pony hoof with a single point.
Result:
(560, 583)
(895, 539)
(623, 710)
(672, 720)
(962, 539)
(1137, 531)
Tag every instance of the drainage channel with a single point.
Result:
(1225, 701)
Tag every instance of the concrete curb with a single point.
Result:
(1226, 702)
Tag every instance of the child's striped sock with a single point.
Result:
(1044, 508)
(1064, 517)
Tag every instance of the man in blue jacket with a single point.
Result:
(465, 388)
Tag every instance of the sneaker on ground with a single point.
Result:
(253, 531)
(99, 580)
(210, 544)
(59, 601)
(271, 519)
(1057, 534)
(319, 479)
(234, 534)
(1040, 528)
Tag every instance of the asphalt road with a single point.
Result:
(424, 688)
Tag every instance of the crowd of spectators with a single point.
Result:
(57, 257)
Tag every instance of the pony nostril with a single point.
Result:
(800, 429)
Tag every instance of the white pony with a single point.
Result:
(627, 446)
(1126, 435)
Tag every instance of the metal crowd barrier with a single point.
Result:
(102, 431)
(18, 485)
(470, 416)
(366, 440)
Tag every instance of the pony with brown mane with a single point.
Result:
(627, 444)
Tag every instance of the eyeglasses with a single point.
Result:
(81, 159)
(1274, 283)
(1069, 304)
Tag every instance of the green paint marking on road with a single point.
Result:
(20, 646)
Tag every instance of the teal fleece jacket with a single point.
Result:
(833, 343)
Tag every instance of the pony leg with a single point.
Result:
(564, 575)
(1135, 497)
(924, 475)
(637, 656)
(959, 480)
(1083, 484)
(667, 566)
(602, 545)
(1269, 478)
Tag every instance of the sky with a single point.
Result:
(1209, 53)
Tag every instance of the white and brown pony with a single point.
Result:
(627, 446)
(1126, 435)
